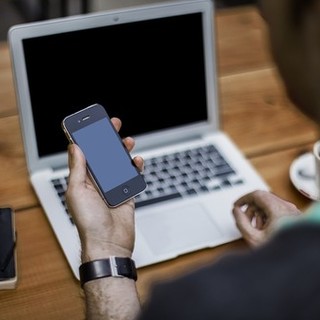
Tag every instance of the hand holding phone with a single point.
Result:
(109, 163)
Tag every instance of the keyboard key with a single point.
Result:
(158, 199)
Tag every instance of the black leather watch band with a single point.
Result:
(111, 267)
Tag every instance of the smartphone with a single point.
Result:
(8, 255)
(108, 161)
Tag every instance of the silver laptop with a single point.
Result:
(154, 67)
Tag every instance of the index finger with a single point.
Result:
(257, 198)
(116, 123)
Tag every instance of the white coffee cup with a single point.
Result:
(316, 155)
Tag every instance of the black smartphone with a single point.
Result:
(8, 256)
(108, 161)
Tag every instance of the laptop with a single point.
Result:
(154, 67)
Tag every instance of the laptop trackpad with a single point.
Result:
(178, 231)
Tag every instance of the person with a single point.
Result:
(278, 278)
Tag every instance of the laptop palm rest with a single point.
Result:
(177, 230)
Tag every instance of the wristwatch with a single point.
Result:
(111, 267)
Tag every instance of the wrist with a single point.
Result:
(95, 251)
(117, 267)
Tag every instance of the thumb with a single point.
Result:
(77, 165)
(251, 234)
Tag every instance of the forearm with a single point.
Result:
(111, 298)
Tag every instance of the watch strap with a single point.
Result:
(111, 267)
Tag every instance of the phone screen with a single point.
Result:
(7, 240)
(105, 155)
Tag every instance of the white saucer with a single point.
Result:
(302, 175)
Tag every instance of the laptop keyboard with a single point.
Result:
(60, 186)
(186, 173)
(177, 175)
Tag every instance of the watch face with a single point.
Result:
(112, 267)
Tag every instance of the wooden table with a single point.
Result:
(255, 113)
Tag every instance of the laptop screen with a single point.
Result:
(151, 74)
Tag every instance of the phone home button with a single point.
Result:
(125, 189)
